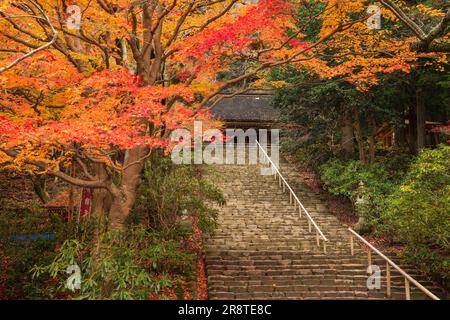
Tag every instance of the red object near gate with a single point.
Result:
(86, 203)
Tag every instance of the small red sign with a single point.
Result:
(86, 203)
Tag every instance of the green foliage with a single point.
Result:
(418, 212)
(379, 180)
(310, 26)
(342, 177)
(395, 96)
(23, 253)
(407, 202)
(396, 163)
(170, 196)
(317, 107)
(130, 265)
(28, 238)
(154, 258)
(320, 108)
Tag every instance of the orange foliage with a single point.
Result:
(135, 71)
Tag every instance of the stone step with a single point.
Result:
(303, 295)
(262, 248)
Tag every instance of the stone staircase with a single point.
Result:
(262, 248)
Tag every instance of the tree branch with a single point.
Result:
(428, 42)
(43, 47)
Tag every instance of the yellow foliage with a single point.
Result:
(430, 11)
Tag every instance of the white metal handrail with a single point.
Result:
(389, 263)
(294, 199)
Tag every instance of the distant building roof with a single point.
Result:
(246, 107)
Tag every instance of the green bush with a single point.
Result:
(130, 265)
(155, 256)
(343, 178)
(405, 201)
(418, 212)
(170, 196)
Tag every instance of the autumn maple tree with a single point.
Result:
(102, 86)
(103, 96)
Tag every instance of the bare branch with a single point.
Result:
(428, 42)
(32, 52)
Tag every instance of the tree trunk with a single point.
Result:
(123, 196)
(420, 119)
(149, 59)
(347, 144)
(101, 199)
(39, 188)
(412, 129)
(101, 204)
(399, 135)
(359, 137)
(372, 143)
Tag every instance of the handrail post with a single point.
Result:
(389, 264)
(369, 257)
(407, 290)
(290, 197)
(325, 247)
(317, 238)
(300, 211)
(388, 279)
(352, 249)
(309, 225)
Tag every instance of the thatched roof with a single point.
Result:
(246, 107)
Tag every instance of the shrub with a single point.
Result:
(418, 212)
(170, 195)
(130, 265)
(155, 257)
(343, 178)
